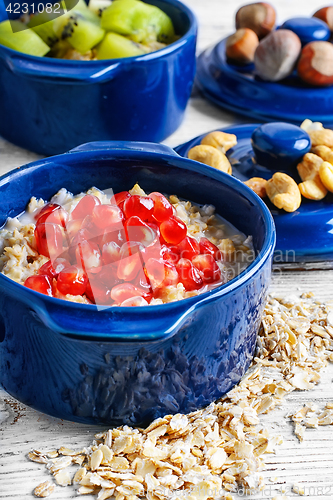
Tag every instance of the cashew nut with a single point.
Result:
(322, 137)
(258, 185)
(210, 156)
(308, 125)
(313, 189)
(283, 192)
(309, 166)
(326, 175)
(220, 140)
(324, 152)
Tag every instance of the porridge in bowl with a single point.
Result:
(124, 249)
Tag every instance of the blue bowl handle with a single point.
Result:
(149, 147)
(30, 67)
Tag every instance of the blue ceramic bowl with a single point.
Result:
(132, 364)
(53, 105)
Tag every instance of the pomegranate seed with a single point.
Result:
(81, 235)
(208, 267)
(129, 267)
(207, 247)
(46, 209)
(72, 280)
(57, 216)
(161, 273)
(73, 227)
(134, 302)
(189, 275)
(188, 248)
(119, 199)
(138, 231)
(141, 206)
(162, 207)
(98, 293)
(52, 269)
(124, 291)
(39, 283)
(85, 206)
(130, 248)
(89, 257)
(173, 230)
(110, 252)
(169, 254)
(108, 275)
(49, 240)
(118, 237)
(107, 216)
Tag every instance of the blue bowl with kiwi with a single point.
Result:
(53, 104)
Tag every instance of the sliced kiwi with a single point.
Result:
(75, 4)
(115, 46)
(81, 30)
(97, 6)
(140, 21)
(23, 40)
(42, 24)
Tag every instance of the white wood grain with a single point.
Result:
(310, 462)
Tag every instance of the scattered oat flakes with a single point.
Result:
(44, 489)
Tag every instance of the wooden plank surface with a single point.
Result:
(311, 462)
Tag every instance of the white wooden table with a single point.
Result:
(311, 462)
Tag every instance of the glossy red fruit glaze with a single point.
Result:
(162, 207)
(139, 231)
(141, 206)
(189, 275)
(173, 230)
(208, 268)
(39, 283)
(72, 280)
(188, 248)
(110, 252)
(98, 292)
(89, 257)
(160, 273)
(169, 254)
(52, 269)
(124, 291)
(107, 216)
(129, 267)
(207, 247)
(58, 216)
(49, 240)
(85, 206)
(119, 199)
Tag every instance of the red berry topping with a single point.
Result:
(208, 268)
(85, 206)
(124, 291)
(39, 283)
(163, 208)
(49, 240)
(88, 256)
(72, 280)
(139, 231)
(141, 206)
(107, 216)
(52, 269)
(188, 248)
(173, 230)
(208, 247)
(189, 275)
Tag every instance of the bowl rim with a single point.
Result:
(265, 252)
(67, 63)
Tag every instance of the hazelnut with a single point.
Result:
(316, 64)
(326, 15)
(277, 54)
(241, 46)
(259, 17)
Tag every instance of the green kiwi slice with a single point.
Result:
(23, 40)
(115, 46)
(82, 30)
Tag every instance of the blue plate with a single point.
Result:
(237, 89)
(302, 236)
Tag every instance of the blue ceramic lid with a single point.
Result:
(305, 235)
(237, 89)
(308, 29)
